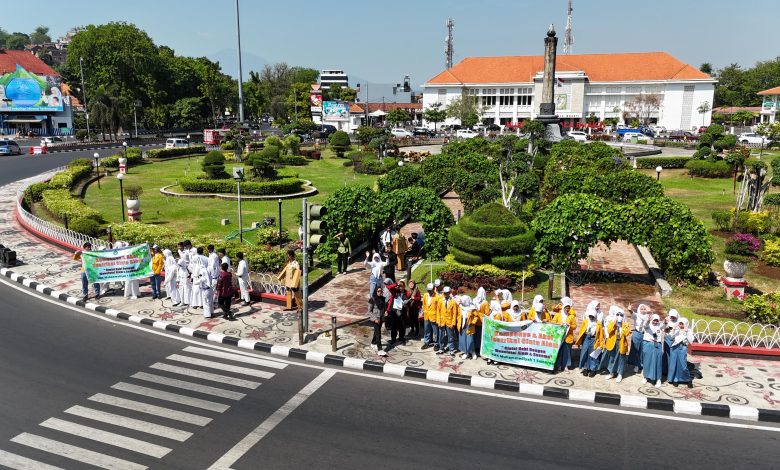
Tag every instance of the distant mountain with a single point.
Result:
(228, 60)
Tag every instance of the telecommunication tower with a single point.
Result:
(568, 39)
(448, 48)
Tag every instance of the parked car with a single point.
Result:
(176, 143)
(400, 132)
(751, 138)
(449, 128)
(702, 130)
(683, 135)
(46, 141)
(493, 128)
(424, 131)
(9, 147)
(633, 135)
(326, 130)
(658, 130)
(466, 134)
(579, 136)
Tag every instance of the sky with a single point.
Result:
(378, 41)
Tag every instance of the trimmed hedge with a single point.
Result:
(487, 270)
(175, 152)
(772, 199)
(706, 169)
(475, 229)
(68, 178)
(520, 243)
(469, 259)
(88, 227)
(293, 160)
(664, 162)
(59, 201)
(34, 192)
(257, 188)
(113, 160)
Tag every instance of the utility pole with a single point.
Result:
(240, 73)
(568, 38)
(84, 92)
(449, 49)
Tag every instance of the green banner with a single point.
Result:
(522, 343)
(122, 264)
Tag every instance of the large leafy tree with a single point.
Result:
(435, 114)
(465, 109)
(40, 35)
(17, 41)
(397, 116)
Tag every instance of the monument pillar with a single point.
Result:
(547, 106)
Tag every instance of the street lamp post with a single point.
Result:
(658, 171)
(96, 156)
(84, 93)
(124, 148)
(188, 140)
(120, 176)
(280, 222)
(238, 175)
(240, 74)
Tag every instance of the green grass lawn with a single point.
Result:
(202, 216)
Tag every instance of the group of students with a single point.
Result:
(607, 342)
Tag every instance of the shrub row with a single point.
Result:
(175, 152)
(772, 199)
(59, 201)
(133, 158)
(776, 171)
(311, 153)
(476, 229)
(763, 308)
(66, 179)
(519, 243)
(257, 188)
(708, 169)
(293, 160)
(664, 162)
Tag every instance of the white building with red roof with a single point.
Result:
(770, 104)
(509, 88)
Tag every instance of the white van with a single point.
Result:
(176, 142)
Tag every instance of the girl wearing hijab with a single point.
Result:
(515, 312)
(377, 265)
(500, 311)
(616, 367)
(206, 292)
(483, 308)
(185, 284)
(376, 312)
(466, 326)
(413, 308)
(678, 356)
(609, 327)
(641, 319)
(670, 327)
(538, 313)
(171, 271)
(590, 332)
(566, 316)
(651, 351)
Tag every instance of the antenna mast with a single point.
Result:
(568, 39)
(448, 49)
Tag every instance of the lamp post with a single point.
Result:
(124, 148)
(238, 175)
(280, 222)
(96, 156)
(84, 93)
(120, 176)
(188, 140)
(240, 74)
(65, 219)
(658, 171)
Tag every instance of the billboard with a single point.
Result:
(335, 111)
(24, 91)
(315, 98)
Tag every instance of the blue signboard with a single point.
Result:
(26, 92)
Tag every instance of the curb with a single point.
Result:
(625, 401)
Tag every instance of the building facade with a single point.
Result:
(33, 99)
(333, 77)
(509, 89)
(770, 104)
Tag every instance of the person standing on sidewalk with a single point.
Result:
(413, 311)
(448, 319)
(641, 319)
(390, 260)
(431, 302)
(224, 259)
(291, 276)
(395, 309)
(343, 253)
(623, 345)
(376, 312)
(185, 281)
(400, 247)
(567, 317)
(213, 265)
(242, 272)
(84, 280)
(171, 277)
(377, 266)
(157, 267)
(206, 292)
(652, 351)
(678, 357)
(590, 331)
(466, 326)
(225, 291)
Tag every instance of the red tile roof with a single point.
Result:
(9, 59)
(388, 106)
(771, 91)
(638, 66)
(734, 109)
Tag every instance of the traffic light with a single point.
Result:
(316, 225)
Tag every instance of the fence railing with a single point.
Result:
(733, 333)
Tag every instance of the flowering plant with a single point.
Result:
(742, 247)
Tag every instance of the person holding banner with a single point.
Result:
(589, 337)
(652, 351)
(515, 312)
(641, 318)
(466, 327)
(448, 318)
(133, 286)
(566, 316)
(84, 281)
(678, 356)
(431, 303)
(171, 277)
(483, 308)
(537, 313)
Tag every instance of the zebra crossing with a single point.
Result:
(135, 416)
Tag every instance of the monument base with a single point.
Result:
(552, 131)
(733, 287)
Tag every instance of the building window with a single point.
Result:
(595, 89)
(442, 98)
(634, 90)
(473, 91)
(489, 100)
(611, 102)
(506, 97)
(614, 89)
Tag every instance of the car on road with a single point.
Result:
(633, 135)
(658, 130)
(683, 135)
(493, 128)
(466, 134)
(400, 132)
(176, 142)
(423, 131)
(751, 138)
(46, 141)
(9, 147)
(579, 136)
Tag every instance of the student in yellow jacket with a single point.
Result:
(431, 303)
(483, 309)
(565, 315)
(610, 338)
(589, 336)
(537, 312)
(448, 318)
(622, 348)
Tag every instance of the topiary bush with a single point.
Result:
(776, 171)
(67, 179)
(771, 253)
(34, 192)
(722, 219)
(339, 142)
(707, 169)
(400, 177)
(261, 166)
(214, 165)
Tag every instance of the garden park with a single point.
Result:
(529, 210)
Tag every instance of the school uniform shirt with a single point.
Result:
(532, 315)
(226, 260)
(448, 314)
(243, 270)
(502, 316)
(624, 338)
(431, 304)
(157, 263)
(571, 320)
(610, 336)
(586, 329)
(213, 266)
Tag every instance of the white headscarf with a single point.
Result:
(620, 316)
(590, 328)
(538, 304)
(640, 319)
(612, 315)
(672, 318)
(495, 306)
(480, 297)
(655, 328)
(376, 265)
(567, 302)
(515, 314)
(506, 296)
(591, 309)
(465, 308)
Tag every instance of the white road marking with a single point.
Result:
(75, 453)
(151, 409)
(271, 422)
(219, 365)
(130, 423)
(17, 462)
(217, 392)
(110, 438)
(236, 357)
(174, 397)
(205, 375)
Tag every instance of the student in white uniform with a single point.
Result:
(132, 287)
(242, 272)
(214, 264)
(171, 277)
(206, 292)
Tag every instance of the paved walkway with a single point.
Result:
(726, 381)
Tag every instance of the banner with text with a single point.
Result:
(121, 264)
(522, 343)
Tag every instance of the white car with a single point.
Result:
(630, 135)
(47, 141)
(175, 143)
(466, 134)
(399, 132)
(751, 138)
(658, 130)
(579, 136)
